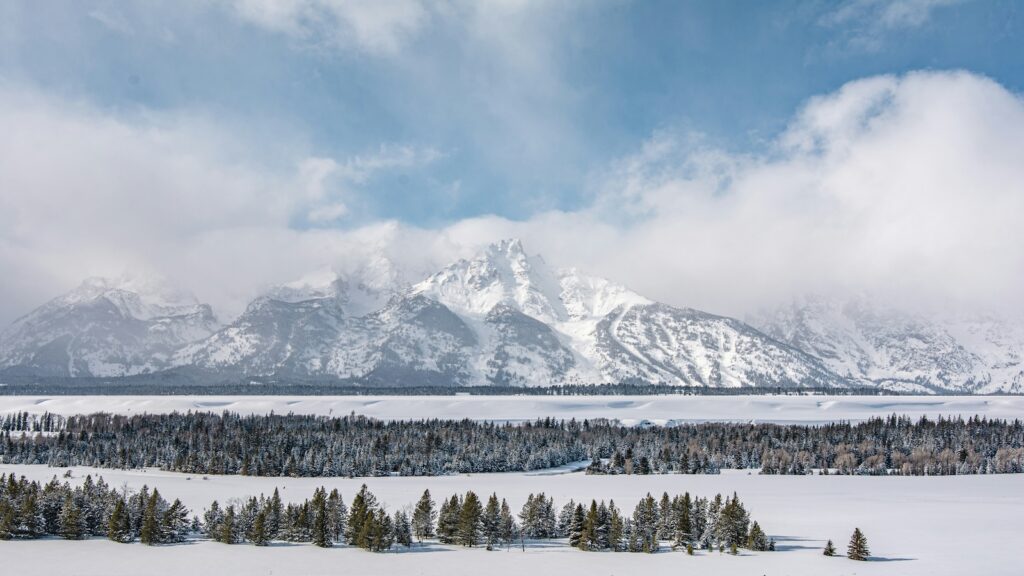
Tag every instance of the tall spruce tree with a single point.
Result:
(402, 528)
(858, 548)
(470, 520)
(260, 535)
(119, 527)
(320, 529)
(491, 522)
(423, 517)
(70, 520)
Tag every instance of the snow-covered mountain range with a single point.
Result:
(502, 317)
(871, 344)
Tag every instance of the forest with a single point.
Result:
(294, 445)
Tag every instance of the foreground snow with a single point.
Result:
(630, 410)
(915, 525)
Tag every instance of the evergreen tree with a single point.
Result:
(70, 520)
(858, 548)
(174, 525)
(321, 527)
(260, 535)
(274, 511)
(337, 516)
(645, 524)
(226, 533)
(683, 533)
(602, 527)
(424, 517)
(576, 526)
(588, 535)
(402, 528)
(616, 529)
(470, 520)
(363, 505)
(830, 549)
(508, 524)
(119, 526)
(448, 520)
(149, 533)
(565, 519)
(491, 522)
(757, 539)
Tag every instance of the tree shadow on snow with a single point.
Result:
(893, 559)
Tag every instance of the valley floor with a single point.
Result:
(915, 525)
(630, 410)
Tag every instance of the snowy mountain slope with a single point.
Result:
(612, 333)
(874, 345)
(105, 328)
(505, 317)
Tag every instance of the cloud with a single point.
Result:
(89, 192)
(867, 23)
(381, 27)
(905, 186)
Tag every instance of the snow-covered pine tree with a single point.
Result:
(320, 529)
(260, 535)
(491, 522)
(576, 526)
(564, 519)
(757, 539)
(645, 524)
(174, 525)
(508, 524)
(424, 517)
(402, 528)
(337, 516)
(448, 520)
(830, 549)
(70, 520)
(119, 526)
(616, 529)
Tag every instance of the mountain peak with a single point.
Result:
(510, 248)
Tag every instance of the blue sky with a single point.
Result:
(519, 110)
(721, 155)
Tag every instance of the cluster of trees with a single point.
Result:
(465, 519)
(31, 510)
(93, 509)
(27, 422)
(323, 521)
(293, 445)
(856, 550)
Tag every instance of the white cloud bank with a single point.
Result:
(911, 187)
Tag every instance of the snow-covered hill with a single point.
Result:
(875, 345)
(105, 328)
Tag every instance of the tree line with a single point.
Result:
(300, 445)
(31, 510)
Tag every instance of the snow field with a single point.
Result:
(631, 410)
(914, 525)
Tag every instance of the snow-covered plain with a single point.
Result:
(915, 525)
(630, 410)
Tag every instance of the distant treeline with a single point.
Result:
(30, 510)
(171, 384)
(298, 445)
